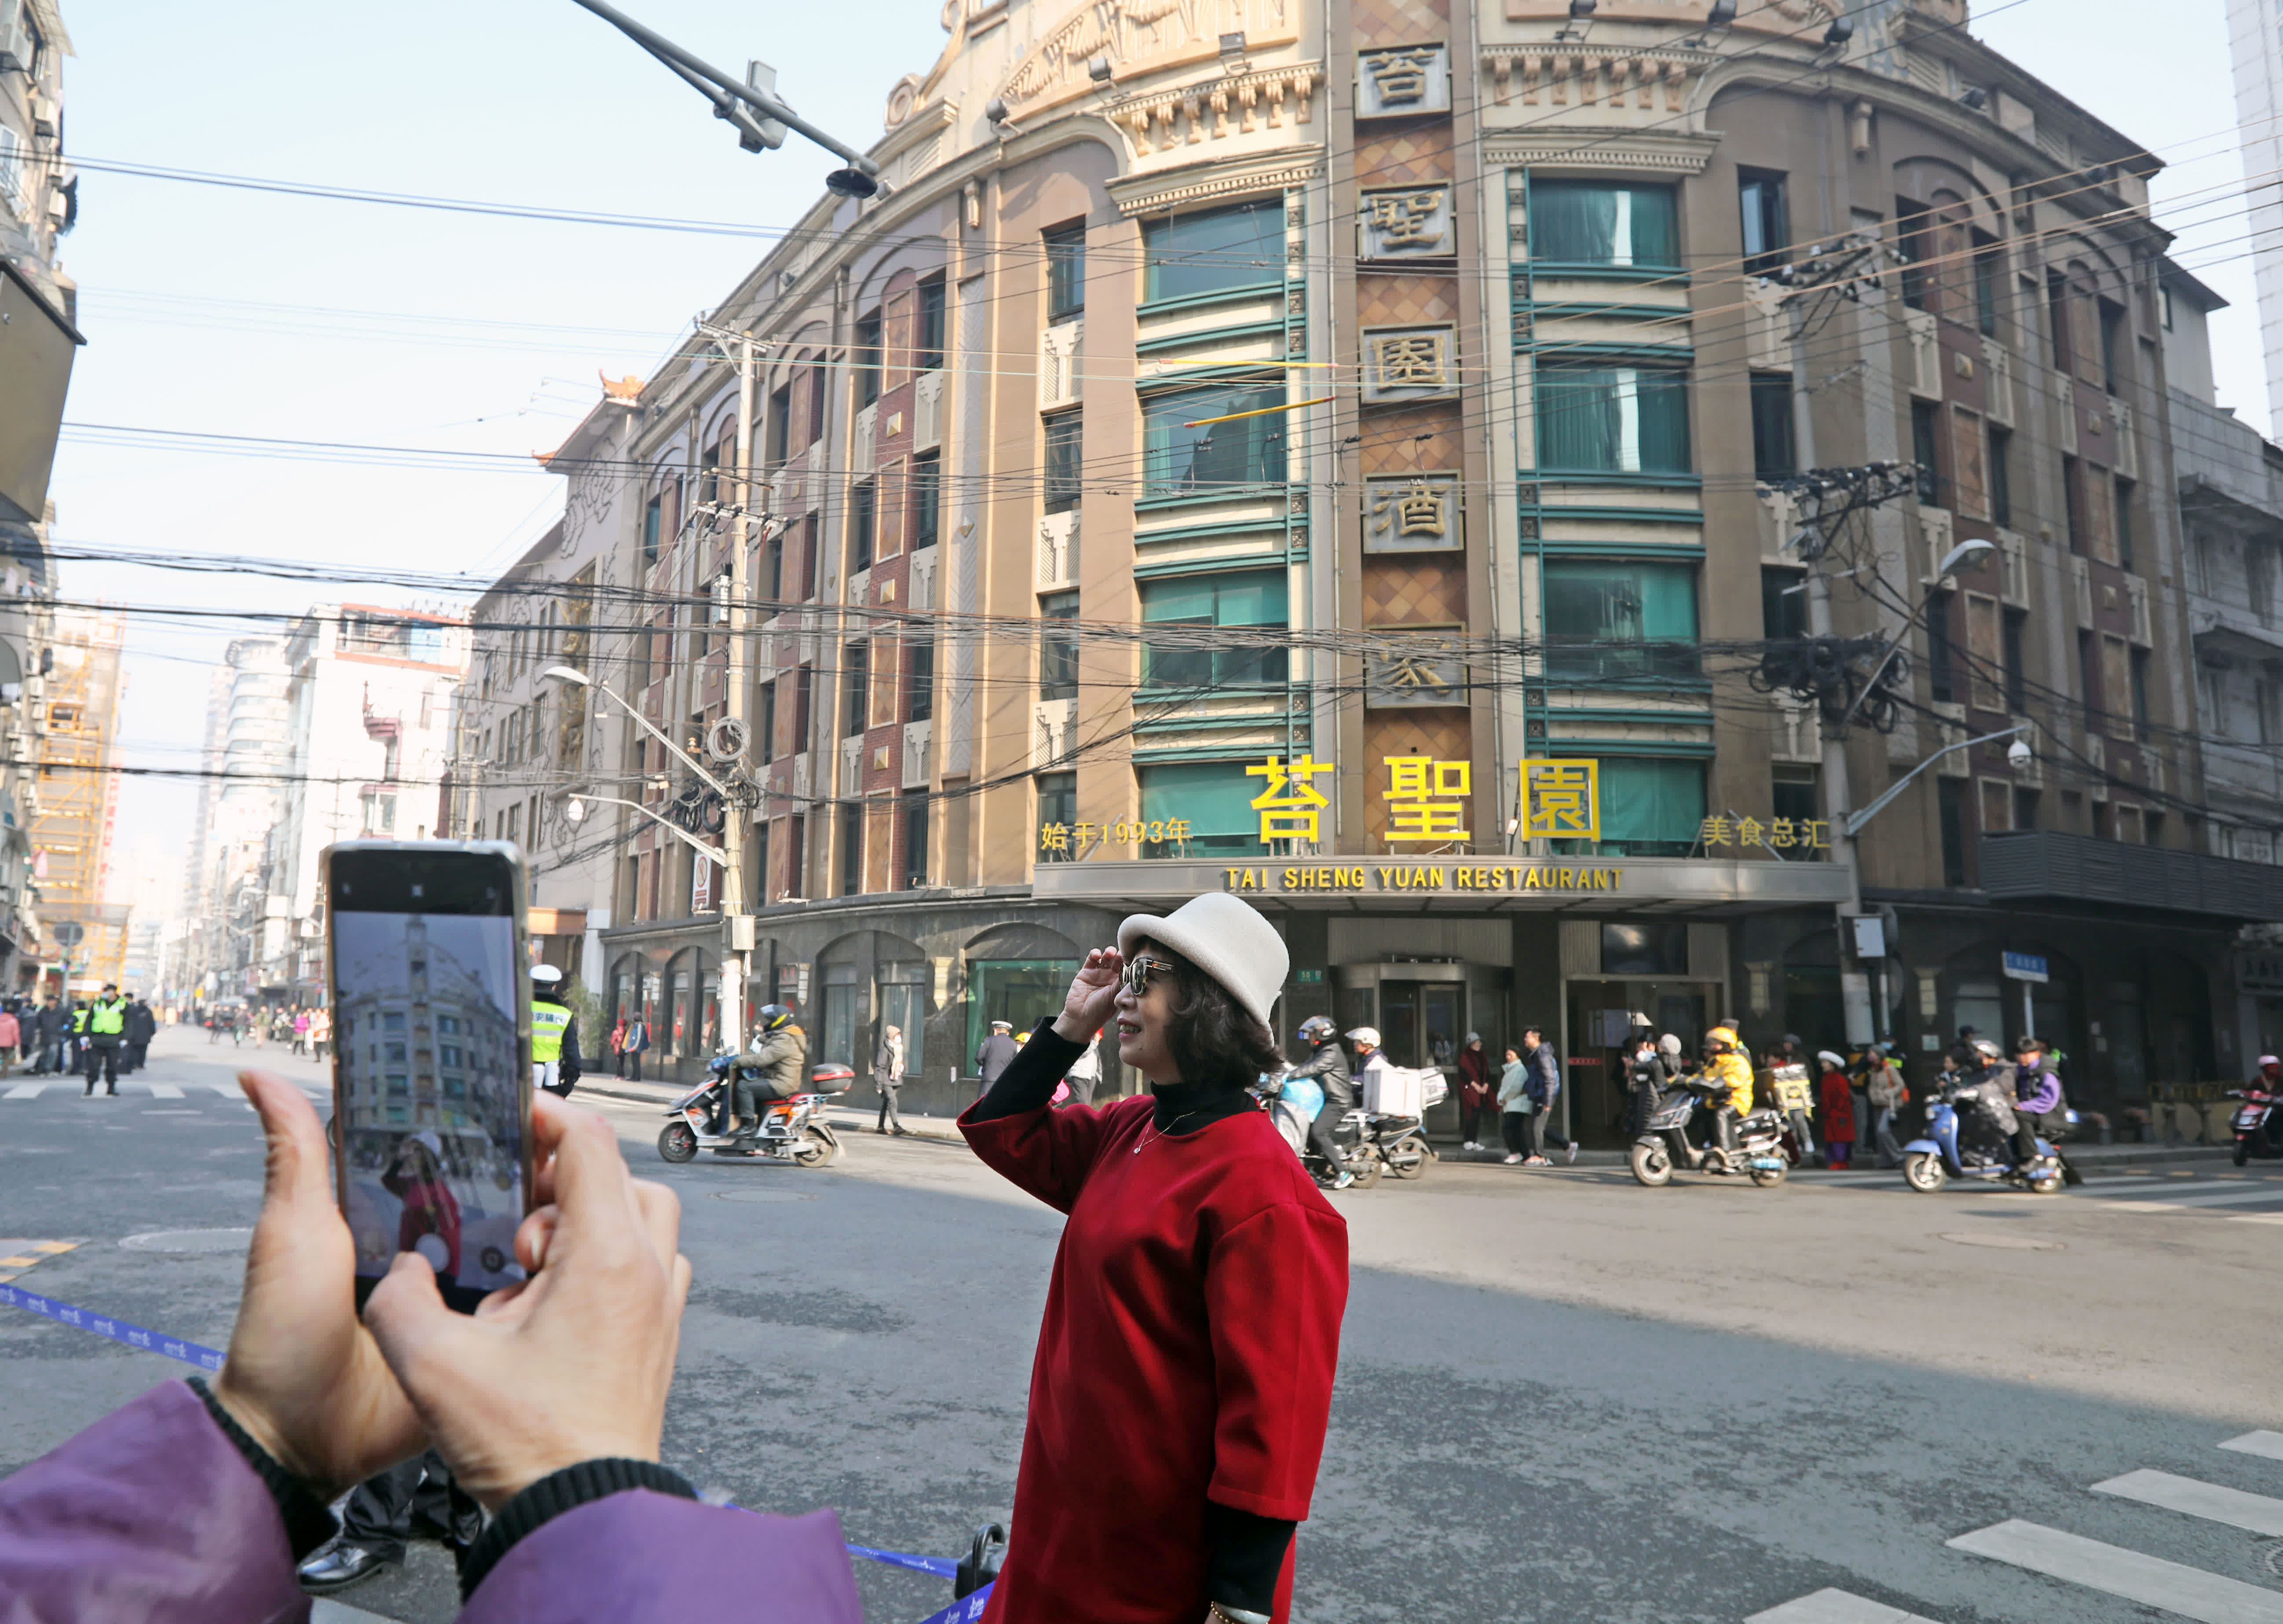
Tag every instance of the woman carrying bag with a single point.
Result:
(1183, 1379)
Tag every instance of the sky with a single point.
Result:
(233, 312)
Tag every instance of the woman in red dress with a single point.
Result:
(1184, 1373)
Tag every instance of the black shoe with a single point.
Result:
(336, 1565)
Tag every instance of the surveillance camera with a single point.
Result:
(2017, 753)
(1098, 70)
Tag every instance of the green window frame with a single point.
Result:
(1620, 621)
(1239, 598)
(1606, 223)
(1213, 251)
(1651, 807)
(1214, 798)
(1218, 458)
(1612, 419)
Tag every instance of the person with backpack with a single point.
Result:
(2040, 1106)
(1542, 1082)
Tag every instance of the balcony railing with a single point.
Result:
(2046, 865)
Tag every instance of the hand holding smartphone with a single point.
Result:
(432, 1058)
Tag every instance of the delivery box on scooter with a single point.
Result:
(1394, 1091)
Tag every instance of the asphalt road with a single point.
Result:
(1562, 1397)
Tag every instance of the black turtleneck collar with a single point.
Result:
(1185, 1107)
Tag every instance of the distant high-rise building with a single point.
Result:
(78, 800)
(2256, 36)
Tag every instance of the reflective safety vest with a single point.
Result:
(109, 1018)
(79, 1018)
(549, 1023)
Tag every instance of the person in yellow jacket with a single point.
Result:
(105, 1026)
(555, 1064)
(1727, 1062)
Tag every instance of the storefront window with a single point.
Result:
(842, 994)
(1612, 419)
(1616, 621)
(1249, 599)
(1651, 807)
(1022, 992)
(678, 1033)
(1212, 459)
(1214, 798)
(1596, 223)
(903, 1005)
(1215, 250)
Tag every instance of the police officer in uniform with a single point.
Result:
(554, 1034)
(105, 1026)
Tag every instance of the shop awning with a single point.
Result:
(1456, 885)
(37, 346)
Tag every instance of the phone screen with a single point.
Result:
(432, 1074)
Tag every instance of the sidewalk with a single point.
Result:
(861, 1110)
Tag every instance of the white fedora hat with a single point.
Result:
(1227, 939)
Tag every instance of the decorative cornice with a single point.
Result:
(1672, 151)
(1559, 73)
(1259, 98)
(1143, 194)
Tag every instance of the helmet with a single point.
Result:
(1316, 1029)
(2270, 1060)
(1365, 1034)
(1668, 1045)
(772, 1017)
(1987, 1050)
(1721, 1037)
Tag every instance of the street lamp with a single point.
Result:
(737, 921)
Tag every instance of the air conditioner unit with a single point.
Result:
(15, 47)
(47, 113)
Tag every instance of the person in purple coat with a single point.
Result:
(191, 1504)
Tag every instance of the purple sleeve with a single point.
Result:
(150, 1514)
(644, 1558)
(2045, 1097)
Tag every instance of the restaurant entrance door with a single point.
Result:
(1602, 1014)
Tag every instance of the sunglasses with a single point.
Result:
(1135, 976)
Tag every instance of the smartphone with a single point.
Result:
(432, 1057)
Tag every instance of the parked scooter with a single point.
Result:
(2254, 1134)
(1663, 1143)
(1968, 1146)
(792, 1130)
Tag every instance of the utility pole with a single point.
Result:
(1840, 270)
(736, 907)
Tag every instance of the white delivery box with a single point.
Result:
(1393, 1090)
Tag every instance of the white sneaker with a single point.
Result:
(1470, 1145)
(1573, 1150)
(1513, 1160)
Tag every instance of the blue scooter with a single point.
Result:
(1930, 1163)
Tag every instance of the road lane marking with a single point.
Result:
(25, 1091)
(163, 1090)
(1835, 1607)
(2268, 1446)
(2103, 1186)
(2255, 1513)
(2151, 1580)
(2191, 1203)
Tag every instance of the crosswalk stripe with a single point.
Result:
(2267, 1445)
(2173, 1587)
(1835, 1607)
(2190, 1201)
(25, 1091)
(2255, 1513)
(2255, 1217)
(164, 1091)
(2103, 1186)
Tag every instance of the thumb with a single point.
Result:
(294, 1171)
(407, 1315)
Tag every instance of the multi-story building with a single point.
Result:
(39, 202)
(249, 749)
(78, 802)
(371, 696)
(525, 742)
(2255, 41)
(2231, 488)
(1331, 453)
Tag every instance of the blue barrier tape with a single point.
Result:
(964, 1610)
(208, 1359)
(942, 1567)
(117, 1329)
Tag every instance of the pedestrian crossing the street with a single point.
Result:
(2173, 1588)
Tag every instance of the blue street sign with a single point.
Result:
(2025, 967)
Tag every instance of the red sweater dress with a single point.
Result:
(1187, 1354)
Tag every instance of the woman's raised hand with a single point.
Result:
(1093, 991)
